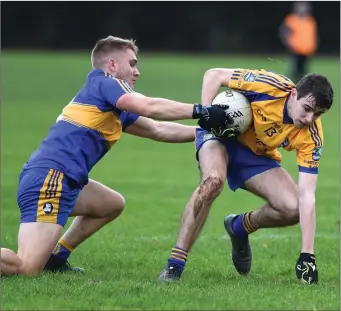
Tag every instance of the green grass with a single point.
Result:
(123, 260)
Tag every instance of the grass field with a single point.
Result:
(122, 261)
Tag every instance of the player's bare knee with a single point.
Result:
(288, 212)
(291, 211)
(29, 269)
(117, 204)
(113, 205)
(211, 186)
(292, 216)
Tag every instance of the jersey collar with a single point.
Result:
(96, 72)
(286, 118)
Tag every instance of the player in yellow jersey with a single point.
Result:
(54, 183)
(285, 115)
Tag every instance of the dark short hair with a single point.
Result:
(318, 87)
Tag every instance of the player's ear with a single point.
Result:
(293, 92)
(112, 65)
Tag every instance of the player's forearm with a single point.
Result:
(210, 86)
(167, 110)
(174, 132)
(307, 223)
(155, 108)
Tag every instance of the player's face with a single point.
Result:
(125, 66)
(304, 111)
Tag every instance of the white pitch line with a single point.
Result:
(275, 236)
(263, 236)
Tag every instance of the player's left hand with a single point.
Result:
(306, 269)
(229, 132)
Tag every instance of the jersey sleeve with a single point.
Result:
(128, 119)
(260, 85)
(112, 89)
(309, 148)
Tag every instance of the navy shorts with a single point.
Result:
(243, 163)
(46, 195)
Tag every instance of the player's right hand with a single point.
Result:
(306, 269)
(213, 118)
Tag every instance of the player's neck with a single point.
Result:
(289, 106)
(106, 69)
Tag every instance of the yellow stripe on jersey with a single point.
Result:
(107, 124)
(125, 86)
(49, 197)
(261, 81)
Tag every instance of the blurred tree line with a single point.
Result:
(236, 27)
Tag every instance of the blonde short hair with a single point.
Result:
(107, 45)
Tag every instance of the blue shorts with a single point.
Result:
(46, 195)
(243, 163)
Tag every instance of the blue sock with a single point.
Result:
(241, 226)
(178, 258)
(62, 250)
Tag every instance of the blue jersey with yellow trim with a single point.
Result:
(268, 94)
(88, 127)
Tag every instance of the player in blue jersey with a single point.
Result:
(54, 184)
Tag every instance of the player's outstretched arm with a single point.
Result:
(121, 96)
(155, 108)
(306, 269)
(169, 132)
(213, 79)
(210, 118)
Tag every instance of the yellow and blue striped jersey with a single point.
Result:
(272, 127)
(87, 128)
